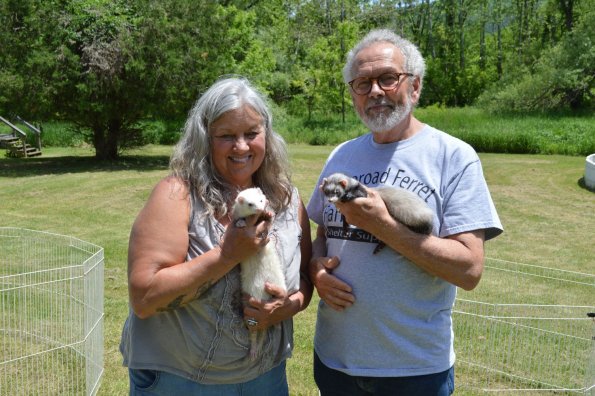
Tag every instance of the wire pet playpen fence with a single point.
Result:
(51, 314)
(526, 329)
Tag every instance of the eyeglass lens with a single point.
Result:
(387, 82)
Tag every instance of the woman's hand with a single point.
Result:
(240, 242)
(269, 312)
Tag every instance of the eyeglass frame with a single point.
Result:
(377, 81)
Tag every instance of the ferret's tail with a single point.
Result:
(256, 338)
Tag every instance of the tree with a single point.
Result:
(563, 78)
(320, 32)
(567, 8)
(25, 63)
(101, 94)
(106, 65)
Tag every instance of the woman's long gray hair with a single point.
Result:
(192, 160)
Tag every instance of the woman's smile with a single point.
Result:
(238, 147)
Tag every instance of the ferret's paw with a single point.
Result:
(379, 247)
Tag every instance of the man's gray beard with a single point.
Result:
(383, 123)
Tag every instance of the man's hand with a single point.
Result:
(333, 291)
(368, 213)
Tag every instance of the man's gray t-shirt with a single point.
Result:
(400, 324)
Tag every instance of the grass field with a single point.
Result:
(548, 220)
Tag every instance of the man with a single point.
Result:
(384, 320)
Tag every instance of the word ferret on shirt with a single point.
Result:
(400, 179)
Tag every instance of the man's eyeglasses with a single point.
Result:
(386, 81)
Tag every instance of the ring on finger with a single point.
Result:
(251, 322)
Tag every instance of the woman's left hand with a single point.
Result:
(268, 312)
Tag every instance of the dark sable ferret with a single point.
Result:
(403, 205)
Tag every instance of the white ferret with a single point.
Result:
(264, 266)
(403, 205)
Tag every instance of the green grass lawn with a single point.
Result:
(548, 220)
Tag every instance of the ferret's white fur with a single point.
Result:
(264, 266)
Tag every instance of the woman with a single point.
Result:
(187, 332)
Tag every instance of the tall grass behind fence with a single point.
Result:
(565, 134)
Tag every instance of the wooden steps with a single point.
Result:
(15, 142)
(14, 148)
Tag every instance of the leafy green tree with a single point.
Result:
(25, 62)
(106, 65)
(321, 33)
(563, 78)
(182, 46)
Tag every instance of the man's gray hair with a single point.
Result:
(192, 160)
(414, 61)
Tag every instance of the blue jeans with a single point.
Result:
(160, 383)
(336, 383)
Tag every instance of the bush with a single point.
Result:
(569, 133)
(161, 132)
(318, 131)
(60, 134)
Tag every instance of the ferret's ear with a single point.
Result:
(241, 200)
(343, 182)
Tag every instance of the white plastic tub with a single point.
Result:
(590, 172)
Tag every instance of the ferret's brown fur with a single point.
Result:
(403, 205)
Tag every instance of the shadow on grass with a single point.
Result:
(38, 166)
(582, 184)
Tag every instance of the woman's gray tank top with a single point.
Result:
(206, 340)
